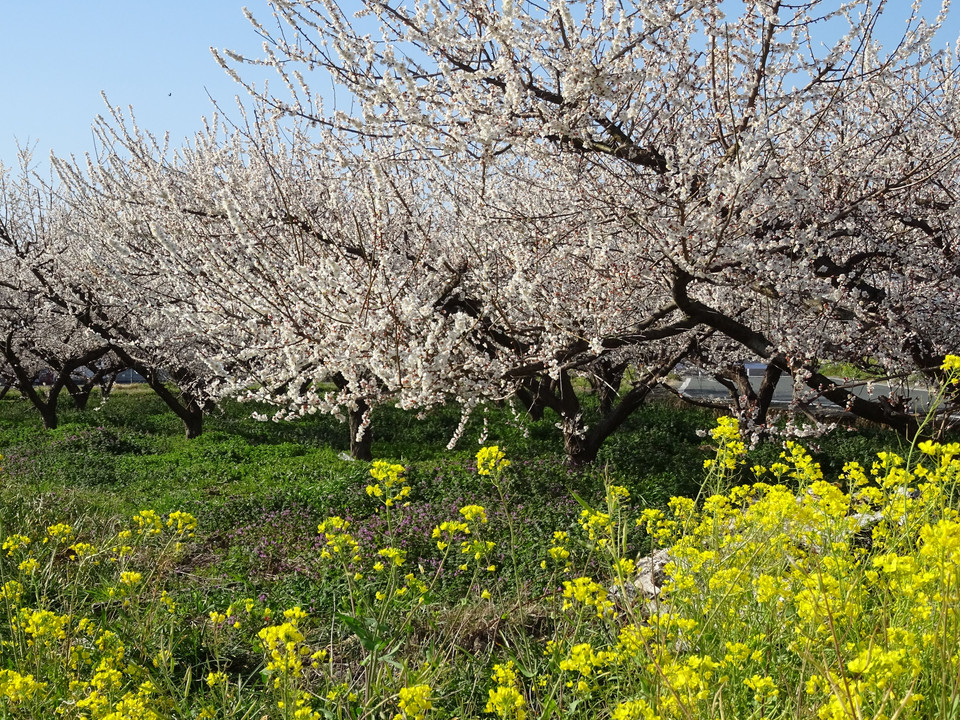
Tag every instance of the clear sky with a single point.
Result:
(56, 56)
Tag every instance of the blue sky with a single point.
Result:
(56, 56)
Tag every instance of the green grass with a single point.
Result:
(129, 453)
(259, 489)
(259, 492)
(867, 370)
(130, 450)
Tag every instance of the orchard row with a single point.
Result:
(522, 195)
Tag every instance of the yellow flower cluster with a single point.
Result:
(340, 543)
(491, 460)
(182, 523)
(582, 659)
(86, 669)
(597, 525)
(15, 542)
(393, 555)
(730, 447)
(827, 564)
(11, 592)
(951, 367)
(388, 487)
(42, 626)
(415, 701)
(477, 547)
(763, 686)
(506, 700)
(474, 513)
(59, 532)
(848, 590)
(148, 523)
(447, 530)
(16, 688)
(285, 649)
(634, 710)
(558, 552)
(340, 692)
(851, 584)
(283, 646)
(587, 592)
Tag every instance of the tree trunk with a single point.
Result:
(47, 407)
(192, 418)
(580, 447)
(751, 403)
(185, 404)
(48, 413)
(5, 389)
(765, 394)
(581, 444)
(190, 411)
(606, 383)
(107, 383)
(882, 413)
(362, 448)
(746, 397)
(79, 393)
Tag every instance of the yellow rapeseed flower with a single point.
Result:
(506, 703)
(148, 523)
(216, 678)
(634, 710)
(763, 686)
(584, 590)
(129, 577)
(951, 366)
(473, 513)
(393, 555)
(415, 701)
(12, 543)
(182, 523)
(82, 550)
(17, 688)
(59, 532)
(491, 460)
(386, 473)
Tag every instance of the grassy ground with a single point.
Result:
(277, 480)
(259, 491)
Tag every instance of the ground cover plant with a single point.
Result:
(286, 582)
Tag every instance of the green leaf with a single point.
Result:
(368, 640)
(550, 709)
(528, 671)
(583, 503)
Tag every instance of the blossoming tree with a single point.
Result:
(299, 264)
(534, 192)
(38, 340)
(70, 307)
(791, 181)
